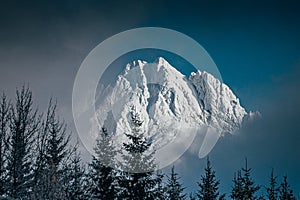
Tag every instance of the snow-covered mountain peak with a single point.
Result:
(169, 103)
(161, 61)
(133, 64)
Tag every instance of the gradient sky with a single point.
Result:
(255, 44)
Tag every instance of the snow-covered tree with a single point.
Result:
(159, 192)
(102, 169)
(174, 189)
(137, 185)
(74, 177)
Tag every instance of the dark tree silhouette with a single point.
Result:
(24, 124)
(250, 188)
(4, 125)
(243, 185)
(174, 189)
(285, 191)
(209, 185)
(52, 157)
(237, 189)
(272, 190)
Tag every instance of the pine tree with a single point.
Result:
(52, 157)
(159, 193)
(249, 187)
(74, 178)
(137, 180)
(174, 189)
(4, 125)
(272, 190)
(285, 191)
(102, 169)
(209, 186)
(237, 189)
(244, 187)
(24, 124)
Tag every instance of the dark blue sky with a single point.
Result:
(255, 44)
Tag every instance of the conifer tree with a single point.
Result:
(159, 188)
(137, 179)
(74, 177)
(249, 187)
(23, 125)
(174, 189)
(52, 157)
(102, 174)
(244, 187)
(4, 125)
(272, 190)
(209, 186)
(237, 189)
(285, 191)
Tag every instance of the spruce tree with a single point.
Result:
(249, 187)
(244, 187)
(137, 178)
(209, 185)
(174, 189)
(4, 125)
(285, 191)
(52, 157)
(272, 190)
(159, 193)
(237, 189)
(102, 169)
(74, 178)
(24, 124)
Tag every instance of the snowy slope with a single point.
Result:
(168, 102)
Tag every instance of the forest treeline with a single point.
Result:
(38, 160)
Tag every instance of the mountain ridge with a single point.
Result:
(168, 102)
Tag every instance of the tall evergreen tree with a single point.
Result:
(174, 189)
(52, 157)
(159, 188)
(237, 189)
(4, 125)
(272, 190)
(74, 178)
(244, 187)
(24, 124)
(137, 180)
(249, 187)
(209, 185)
(102, 169)
(285, 191)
